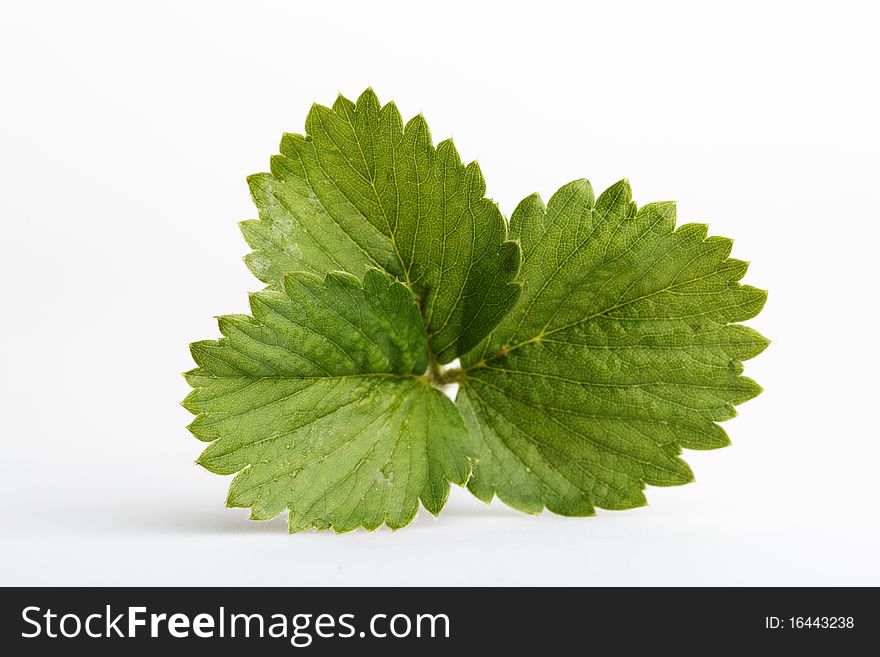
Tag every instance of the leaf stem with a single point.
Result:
(439, 377)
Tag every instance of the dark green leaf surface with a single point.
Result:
(317, 402)
(360, 189)
(622, 349)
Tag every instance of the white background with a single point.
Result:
(127, 132)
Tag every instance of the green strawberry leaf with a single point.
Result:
(622, 349)
(317, 401)
(361, 189)
(596, 339)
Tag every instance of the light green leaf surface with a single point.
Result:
(317, 401)
(622, 349)
(361, 189)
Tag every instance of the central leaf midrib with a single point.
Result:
(540, 337)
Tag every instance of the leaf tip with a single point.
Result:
(368, 97)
